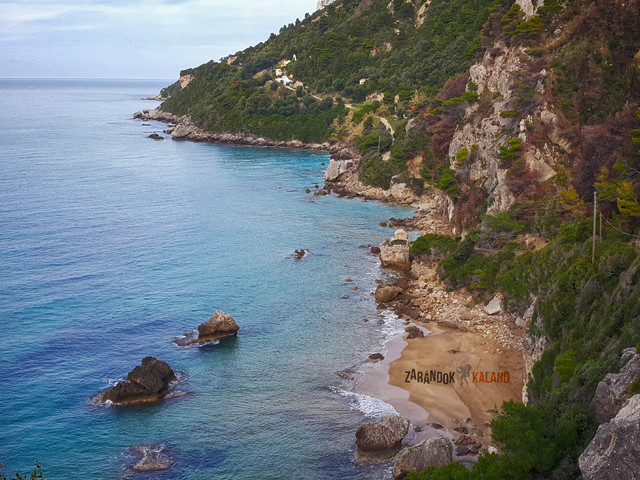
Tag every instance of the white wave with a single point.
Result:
(391, 327)
(112, 382)
(371, 407)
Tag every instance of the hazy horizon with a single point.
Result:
(136, 40)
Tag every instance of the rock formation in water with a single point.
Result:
(146, 383)
(220, 325)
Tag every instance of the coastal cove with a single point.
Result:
(114, 244)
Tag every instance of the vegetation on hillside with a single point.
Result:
(350, 50)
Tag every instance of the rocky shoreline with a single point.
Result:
(416, 296)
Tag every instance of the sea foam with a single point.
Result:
(371, 407)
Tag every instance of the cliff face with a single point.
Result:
(487, 126)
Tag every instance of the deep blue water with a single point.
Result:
(112, 245)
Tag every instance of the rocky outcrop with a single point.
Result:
(335, 170)
(220, 325)
(485, 130)
(146, 383)
(613, 390)
(529, 7)
(614, 453)
(323, 3)
(182, 128)
(433, 451)
(383, 435)
(386, 292)
(395, 253)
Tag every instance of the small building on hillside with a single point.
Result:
(286, 81)
(363, 81)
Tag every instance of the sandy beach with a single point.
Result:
(454, 379)
(469, 375)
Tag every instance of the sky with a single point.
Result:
(132, 38)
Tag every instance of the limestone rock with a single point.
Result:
(147, 382)
(323, 3)
(376, 357)
(386, 292)
(220, 325)
(401, 234)
(493, 307)
(433, 451)
(395, 254)
(335, 169)
(383, 435)
(401, 193)
(613, 390)
(614, 453)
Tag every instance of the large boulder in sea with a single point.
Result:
(613, 390)
(383, 435)
(220, 325)
(146, 383)
(614, 453)
(433, 451)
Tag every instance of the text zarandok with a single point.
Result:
(445, 378)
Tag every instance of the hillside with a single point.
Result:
(511, 114)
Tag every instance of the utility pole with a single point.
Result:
(595, 210)
(600, 225)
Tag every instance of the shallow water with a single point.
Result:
(112, 245)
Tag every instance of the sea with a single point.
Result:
(112, 245)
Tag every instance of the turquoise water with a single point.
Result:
(112, 245)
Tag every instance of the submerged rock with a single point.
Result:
(155, 136)
(220, 325)
(146, 383)
(151, 458)
(383, 435)
(433, 451)
(614, 453)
